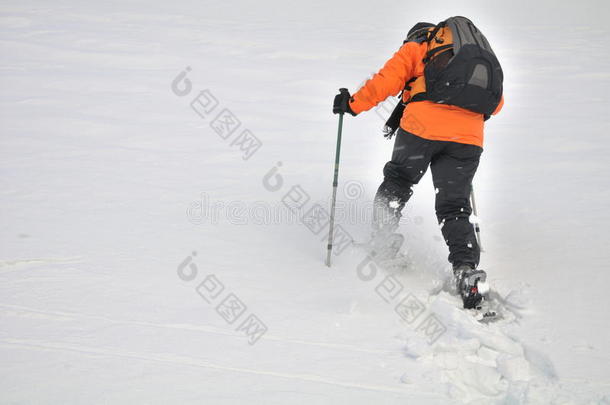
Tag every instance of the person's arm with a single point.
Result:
(390, 80)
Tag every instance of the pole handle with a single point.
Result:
(343, 90)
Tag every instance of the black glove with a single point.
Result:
(341, 104)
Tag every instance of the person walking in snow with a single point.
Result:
(451, 83)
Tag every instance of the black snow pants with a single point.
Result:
(453, 166)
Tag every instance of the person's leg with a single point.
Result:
(452, 172)
(410, 160)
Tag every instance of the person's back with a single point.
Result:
(440, 128)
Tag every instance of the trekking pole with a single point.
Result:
(477, 229)
(335, 184)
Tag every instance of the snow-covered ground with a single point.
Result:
(148, 255)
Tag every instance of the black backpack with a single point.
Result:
(464, 72)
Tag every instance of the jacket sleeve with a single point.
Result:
(390, 80)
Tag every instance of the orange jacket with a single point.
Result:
(426, 119)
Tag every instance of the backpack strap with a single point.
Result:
(408, 85)
(432, 34)
(393, 121)
(432, 37)
(436, 50)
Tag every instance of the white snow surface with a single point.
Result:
(104, 171)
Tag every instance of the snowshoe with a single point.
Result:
(471, 284)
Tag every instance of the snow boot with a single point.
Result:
(471, 285)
